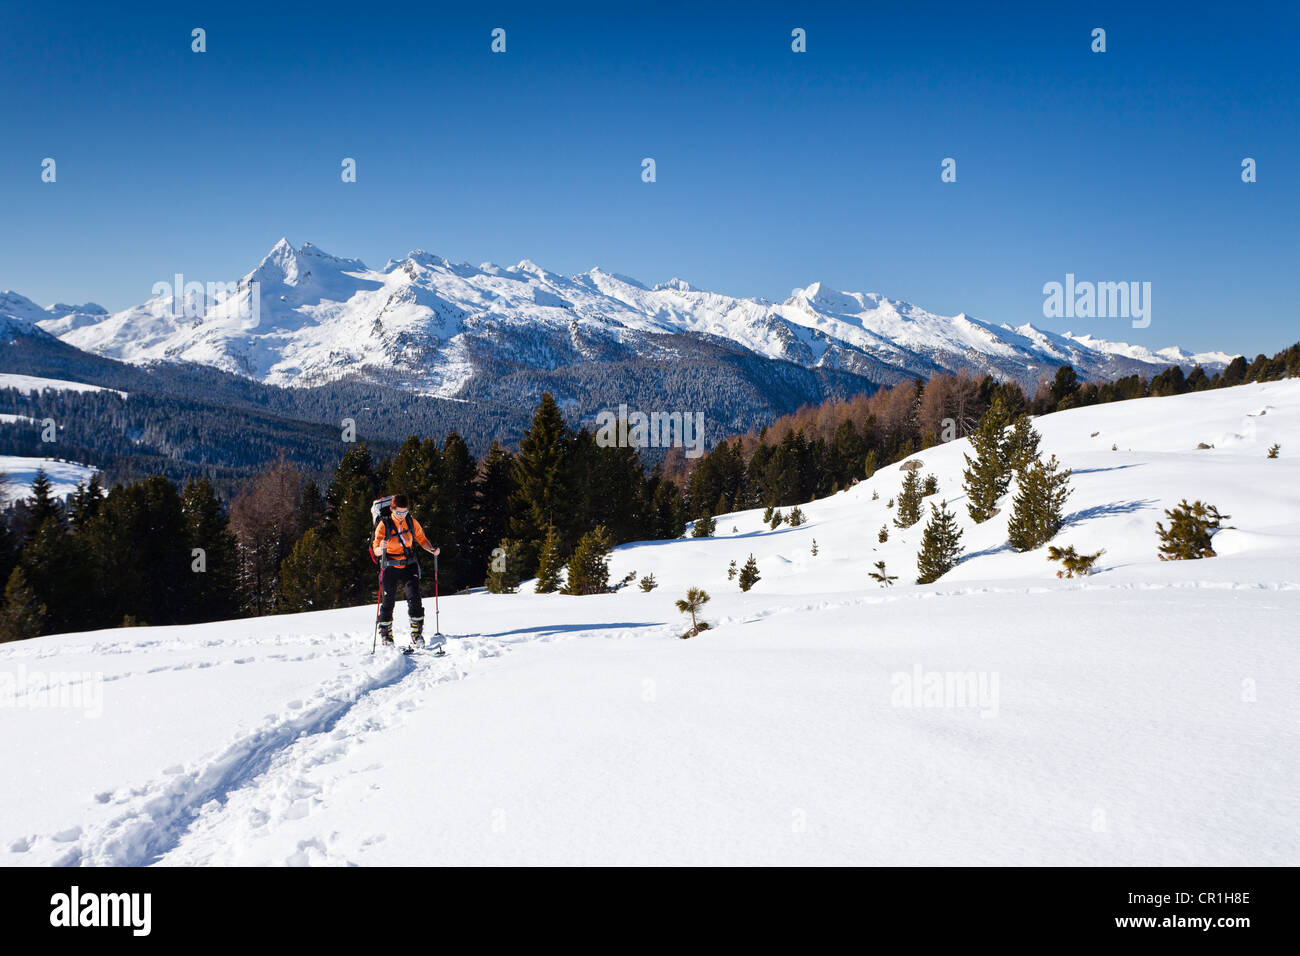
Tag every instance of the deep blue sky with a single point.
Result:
(775, 169)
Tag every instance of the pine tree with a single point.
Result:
(668, 512)
(909, 501)
(814, 548)
(504, 569)
(493, 487)
(1037, 508)
(704, 526)
(1020, 447)
(214, 589)
(1066, 384)
(749, 574)
(452, 531)
(648, 583)
(417, 471)
(140, 560)
(882, 576)
(614, 480)
(695, 600)
(767, 514)
(776, 520)
(796, 517)
(589, 564)
(41, 505)
(23, 615)
(549, 564)
(86, 501)
(306, 580)
(545, 485)
(311, 507)
(988, 474)
(349, 528)
(1273, 450)
(1191, 530)
(940, 545)
(883, 536)
(9, 542)
(731, 570)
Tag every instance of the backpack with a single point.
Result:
(381, 512)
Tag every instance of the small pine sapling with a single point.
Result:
(881, 575)
(1073, 564)
(648, 583)
(694, 601)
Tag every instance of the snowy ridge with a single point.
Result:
(423, 319)
(17, 472)
(1152, 696)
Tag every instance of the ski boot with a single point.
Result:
(417, 632)
(386, 633)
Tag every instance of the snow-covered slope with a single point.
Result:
(36, 383)
(18, 472)
(425, 322)
(1144, 715)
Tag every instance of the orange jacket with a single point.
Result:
(409, 533)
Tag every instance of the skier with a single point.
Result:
(393, 546)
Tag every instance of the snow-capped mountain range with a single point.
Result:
(433, 326)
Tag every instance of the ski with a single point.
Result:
(438, 651)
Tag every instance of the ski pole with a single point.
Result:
(437, 618)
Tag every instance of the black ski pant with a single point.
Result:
(406, 579)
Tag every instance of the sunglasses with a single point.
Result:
(401, 512)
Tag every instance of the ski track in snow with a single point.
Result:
(265, 776)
